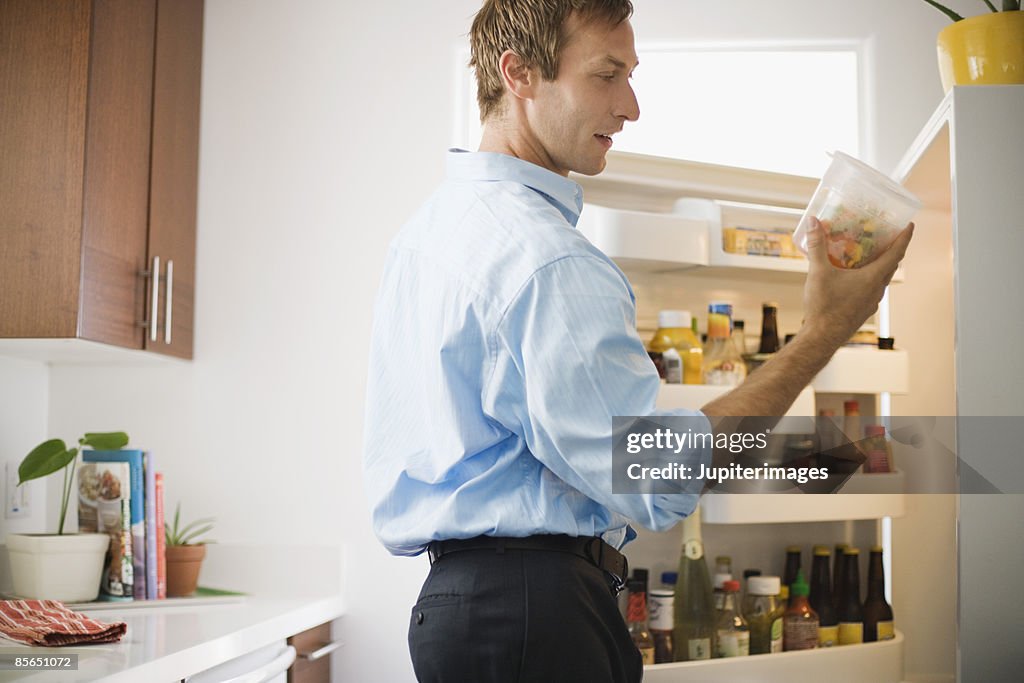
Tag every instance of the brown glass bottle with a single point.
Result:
(769, 328)
(851, 614)
(821, 598)
(838, 571)
(878, 623)
(792, 565)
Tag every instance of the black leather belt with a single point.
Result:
(590, 548)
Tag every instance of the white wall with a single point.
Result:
(323, 126)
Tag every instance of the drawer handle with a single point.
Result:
(320, 652)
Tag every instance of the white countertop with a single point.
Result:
(168, 643)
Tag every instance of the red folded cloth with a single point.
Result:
(51, 624)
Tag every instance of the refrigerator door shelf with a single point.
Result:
(876, 662)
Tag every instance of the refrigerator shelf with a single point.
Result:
(690, 240)
(865, 370)
(864, 496)
(880, 662)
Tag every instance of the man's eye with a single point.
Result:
(607, 77)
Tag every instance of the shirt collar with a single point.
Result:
(566, 195)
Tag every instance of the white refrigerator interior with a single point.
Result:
(947, 310)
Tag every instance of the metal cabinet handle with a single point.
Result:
(155, 299)
(169, 305)
(320, 652)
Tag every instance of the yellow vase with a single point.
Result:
(984, 50)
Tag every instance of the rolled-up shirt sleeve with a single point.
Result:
(566, 360)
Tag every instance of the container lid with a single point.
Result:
(873, 176)
(793, 549)
(799, 588)
(847, 405)
(886, 343)
(876, 549)
(874, 430)
(663, 594)
(674, 319)
(738, 324)
(732, 586)
(851, 551)
(747, 573)
(770, 304)
(669, 578)
(821, 550)
(764, 585)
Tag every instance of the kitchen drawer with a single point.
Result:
(313, 659)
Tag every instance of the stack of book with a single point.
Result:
(121, 494)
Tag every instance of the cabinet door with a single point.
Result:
(44, 64)
(174, 174)
(115, 209)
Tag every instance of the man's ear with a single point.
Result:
(517, 77)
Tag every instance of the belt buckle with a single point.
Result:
(432, 553)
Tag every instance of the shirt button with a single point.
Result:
(419, 617)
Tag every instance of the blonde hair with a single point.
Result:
(534, 30)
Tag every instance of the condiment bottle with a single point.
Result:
(739, 336)
(693, 636)
(851, 614)
(674, 332)
(878, 623)
(838, 575)
(791, 570)
(877, 450)
(723, 573)
(821, 598)
(660, 615)
(800, 622)
(763, 613)
(636, 619)
(733, 631)
(769, 328)
(723, 363)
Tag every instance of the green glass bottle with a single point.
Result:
(694, 624)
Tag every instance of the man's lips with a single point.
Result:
(606, 140)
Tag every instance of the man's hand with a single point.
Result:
(837, 301)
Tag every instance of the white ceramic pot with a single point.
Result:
(50, 567)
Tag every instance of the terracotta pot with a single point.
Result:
(984, 50)
(183, 564)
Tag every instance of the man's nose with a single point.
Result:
(628, 107)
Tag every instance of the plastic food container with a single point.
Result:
(861, 209)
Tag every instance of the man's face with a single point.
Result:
(574, 116)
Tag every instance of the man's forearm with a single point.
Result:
(773, 388)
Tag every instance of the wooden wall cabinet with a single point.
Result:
(99, 139)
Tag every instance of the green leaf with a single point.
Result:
(44, 459)
(1011, 5)
(990, 5)
(188, 538)
(945, 10)
(105, 441)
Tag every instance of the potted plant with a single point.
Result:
(185, 553)
(61, 566)
(984, 50)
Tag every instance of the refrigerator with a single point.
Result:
(952, 552)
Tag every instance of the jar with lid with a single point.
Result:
(763, 612)
(675, 332)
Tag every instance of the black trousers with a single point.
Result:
(490, 616)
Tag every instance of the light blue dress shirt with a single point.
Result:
(503, 344)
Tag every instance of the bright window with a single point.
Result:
(770, 109)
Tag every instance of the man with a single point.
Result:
(504, 343)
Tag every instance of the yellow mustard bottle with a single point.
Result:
(674, 333)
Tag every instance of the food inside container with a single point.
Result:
(759, 242)
(861, 209)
